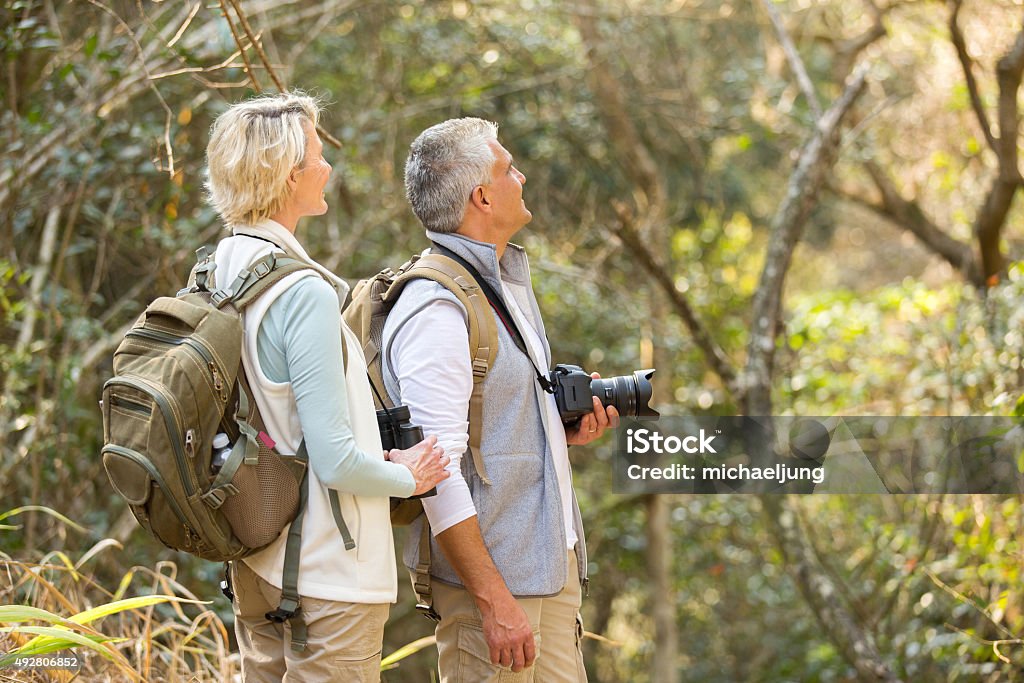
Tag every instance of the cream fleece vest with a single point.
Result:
(327, 571)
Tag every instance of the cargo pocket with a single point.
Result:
(357, 670)
(475, 658)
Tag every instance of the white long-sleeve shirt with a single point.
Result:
(430, 358)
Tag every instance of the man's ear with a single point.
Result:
(479, 199)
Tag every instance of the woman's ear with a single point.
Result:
(292, 178)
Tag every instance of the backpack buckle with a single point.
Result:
(219, 297)
(285, 611)
(214, 498)
(226, 585)
(479, 367)
(261, 269)
(428, 611)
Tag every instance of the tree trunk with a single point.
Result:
(664, 666)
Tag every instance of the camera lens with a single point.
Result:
(630, 394)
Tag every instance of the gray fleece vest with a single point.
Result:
(520, 512)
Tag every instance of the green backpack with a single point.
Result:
(178, 381)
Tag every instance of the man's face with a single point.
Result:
(505, 192)
(311, 178)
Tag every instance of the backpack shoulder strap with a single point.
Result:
(483, 331)
(201, 278)
(363, 315)
(252, 282)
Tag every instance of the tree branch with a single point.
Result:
(856, 644)
(815, 160)
(793, 57)
(988, 225)
(909, 215)
(713, 353)
(637, 161)
(957, 36)
(168, 115)
(244, 21)
(241, 49)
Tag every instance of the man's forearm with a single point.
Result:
(463, 546)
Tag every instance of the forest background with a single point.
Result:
(802, 207)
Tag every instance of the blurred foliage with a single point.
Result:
(95, 223)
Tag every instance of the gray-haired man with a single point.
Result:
(507, 555)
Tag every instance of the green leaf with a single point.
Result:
(10, 614)
(126, 581)
(106, 610)
(45, 510)
(391, 661)
(48, 636)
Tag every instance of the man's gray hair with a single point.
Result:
(445, 163)
(253, 147)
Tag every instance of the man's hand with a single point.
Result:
(592, 425)
(508, 633)
(506, 627)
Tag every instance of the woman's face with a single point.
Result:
(310, 180)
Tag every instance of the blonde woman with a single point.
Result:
(266, 171)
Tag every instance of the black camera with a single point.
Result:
(574, 390)
(397, 431)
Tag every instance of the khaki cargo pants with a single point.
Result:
(345, 638)
(463, 656)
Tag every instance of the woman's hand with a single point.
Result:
(426, 460)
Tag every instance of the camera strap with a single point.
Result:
(387, 411)
(500, 309)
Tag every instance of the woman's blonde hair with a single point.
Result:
(253, 148)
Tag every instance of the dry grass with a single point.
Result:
(147, 628)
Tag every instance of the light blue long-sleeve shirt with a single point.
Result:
(299, 341)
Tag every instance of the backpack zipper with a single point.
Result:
(132, 406)
(197, 346)
(174, 430)
(168, 338)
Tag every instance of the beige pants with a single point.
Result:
(463, 656)
(344, 643)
